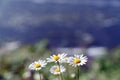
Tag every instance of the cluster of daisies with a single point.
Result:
(58, 68)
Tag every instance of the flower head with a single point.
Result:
(37, 65)
(78, 60)
(66, 60)
(57, 58)
(57, 70)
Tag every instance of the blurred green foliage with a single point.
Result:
(14, 65)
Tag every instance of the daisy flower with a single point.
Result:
(66, 60)
(57, 70)
(57, 58)
(37, 65)
(78, 60)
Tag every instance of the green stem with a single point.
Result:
(78, 72)
(58, 77)
(40, 77)
(67, 71)
(76, 76)
(60, 70)
(61, 76)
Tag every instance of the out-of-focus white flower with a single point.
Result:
(57, 58)
(57, 70)
(38, 76)
(66, 60)
(26, 75)
(37, 65)
(97, 52)
(78, 60)
(8, 75)
(72, 75)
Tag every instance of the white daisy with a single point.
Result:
(57, 70)
(57, 58)
(78, 60)
(66, 60)
(37, 65)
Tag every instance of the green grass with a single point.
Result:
(14, 64)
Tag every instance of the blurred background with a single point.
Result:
(33, 29)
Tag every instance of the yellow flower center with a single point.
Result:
(37, 65)
(57, 70)
(56, 58)
(77, 61)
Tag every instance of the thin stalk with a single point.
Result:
(78, 72)
(76, 76)
(60, 70)
(61, 76)
(58, 77)
(67, 71)
(40, 77)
